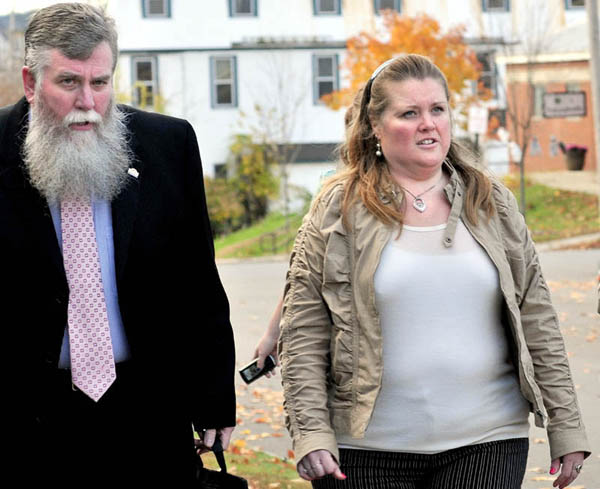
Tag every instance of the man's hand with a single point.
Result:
(207, 439)
(318, 464)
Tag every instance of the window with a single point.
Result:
(538, 100)
(574, 4)
(325, 75)
(495, 5)
(221, 170)
(535, 149)
(156, 8)
(327, 7)
(144, 82)
(488, 70)
(387, 4)
(242, 8)
(223, 81)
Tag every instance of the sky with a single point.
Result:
(23, 5)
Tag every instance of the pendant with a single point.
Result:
(419, 204)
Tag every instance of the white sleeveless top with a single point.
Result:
(447, 377)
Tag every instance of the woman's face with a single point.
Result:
(415, 128)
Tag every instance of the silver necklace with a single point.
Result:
(418, 203)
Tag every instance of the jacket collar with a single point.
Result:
(454, 191)
(12, 171)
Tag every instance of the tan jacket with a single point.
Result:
(331, 343)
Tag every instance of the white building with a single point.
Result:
(213, 61)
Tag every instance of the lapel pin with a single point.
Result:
(133, 172)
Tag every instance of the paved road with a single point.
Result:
(253, 289)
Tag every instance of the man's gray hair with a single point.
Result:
(75, 29)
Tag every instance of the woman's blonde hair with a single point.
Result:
(367, 176)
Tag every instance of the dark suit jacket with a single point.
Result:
(173, 305)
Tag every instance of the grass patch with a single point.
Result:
(551, 214)
(555, 214)
(263, 471)
(257, 240)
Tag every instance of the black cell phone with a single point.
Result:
(251, 372)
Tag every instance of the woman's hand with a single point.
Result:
(268, 343)
(318, 464)
(568, 472)
(266, 346)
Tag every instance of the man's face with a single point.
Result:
(71, 85)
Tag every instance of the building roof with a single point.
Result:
(571, 39)
(568, 44)
(315, 152)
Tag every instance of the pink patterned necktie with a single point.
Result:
(92, 360)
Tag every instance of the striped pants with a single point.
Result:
(494, 465)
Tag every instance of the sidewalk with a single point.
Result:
(576, 181)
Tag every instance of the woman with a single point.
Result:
(417, 329)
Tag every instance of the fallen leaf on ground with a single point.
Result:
(262, 420)
(239, 443)
(290, 454)
(577, 297)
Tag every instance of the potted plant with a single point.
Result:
(575, 155)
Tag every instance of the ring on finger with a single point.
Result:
(578, 468)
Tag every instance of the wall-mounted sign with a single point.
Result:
(478, 119)
(564, 104)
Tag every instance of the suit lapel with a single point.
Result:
(124, 207)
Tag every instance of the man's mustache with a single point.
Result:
(81, 117)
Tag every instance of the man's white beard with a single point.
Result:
(65, 163)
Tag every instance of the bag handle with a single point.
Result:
(217, 449)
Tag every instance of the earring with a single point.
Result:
(378, 152)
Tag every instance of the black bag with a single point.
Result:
(212, 479)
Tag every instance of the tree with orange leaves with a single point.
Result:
(420, 35)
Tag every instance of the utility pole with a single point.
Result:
(594, 40)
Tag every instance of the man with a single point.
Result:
(116, 326)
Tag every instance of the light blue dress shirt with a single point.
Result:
(106, 252)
